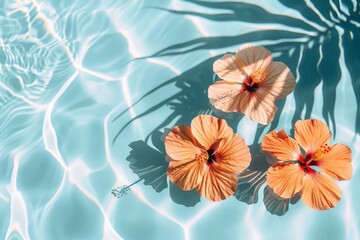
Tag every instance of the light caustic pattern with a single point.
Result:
(73, 73)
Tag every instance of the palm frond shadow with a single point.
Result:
(314, 51)
(311, 50)
(189, 102)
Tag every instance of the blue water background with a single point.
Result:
(88, 87)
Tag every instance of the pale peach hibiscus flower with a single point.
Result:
(251, 82)
(296, 172)
(208, 156)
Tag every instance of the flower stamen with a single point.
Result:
(203, 156)
(257, 76)
(321, 152)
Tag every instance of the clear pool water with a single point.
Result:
(87, 88)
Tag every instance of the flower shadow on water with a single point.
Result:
(149, 164)
(253, 178)
(277, 205)
(312, 54)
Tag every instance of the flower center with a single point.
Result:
(211, 156)
(311, 158)
(257, 76)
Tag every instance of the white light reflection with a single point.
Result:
(195, 20)
(313, 8)
(19, 96)
(19, 217)
(50, 142)
(350, 216)
(122, 180)
(345, 96)
(251, 225)
(49, 134)
(165, 64)
(126, 93)
(205, 210)
(78, 171)
(75, 62)
(5, 198)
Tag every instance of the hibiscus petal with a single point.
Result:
(250, 58)
(281, 146)
(258, 106)
(311, 134)
(207, 129)
(337, 162)
(225, 96)
(186, 174)
(285, 178)
(217, 185)
(227, 69)
(280, 82)
(233, 154)
(319, 191)
(180, 144)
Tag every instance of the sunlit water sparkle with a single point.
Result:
(75, 73)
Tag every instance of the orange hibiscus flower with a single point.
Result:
(297, 172)
(251, 82)
(208, 156)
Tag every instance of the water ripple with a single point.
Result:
(81, 80)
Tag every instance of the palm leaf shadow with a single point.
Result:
(327, 48)
(312, 54)
(315, 53)
(351, 46)
(189, 102)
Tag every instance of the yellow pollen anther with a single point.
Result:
(321, 152)
(258, 76)
(203, 156)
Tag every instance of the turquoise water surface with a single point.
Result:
(88, 87)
